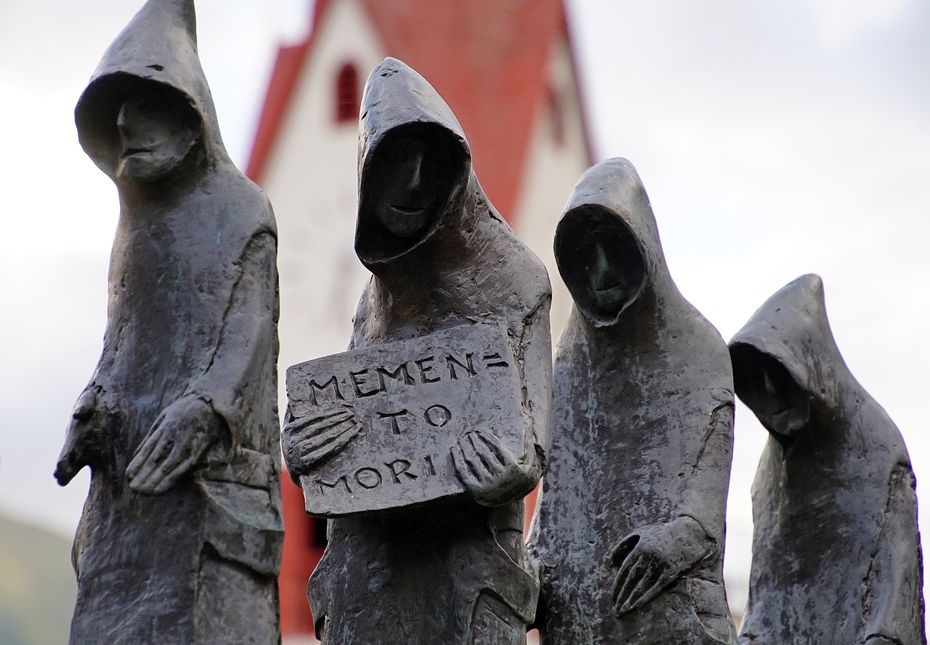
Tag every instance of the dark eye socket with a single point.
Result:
(397, 154)
(151, 106)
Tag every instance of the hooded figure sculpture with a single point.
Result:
(180, 537)
(630, 531)
(451, 571)
(835, 552)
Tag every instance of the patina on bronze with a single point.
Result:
(454, 570)
(181, 533)
(630, 531)
(836, 554)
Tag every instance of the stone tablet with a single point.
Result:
(413, 399)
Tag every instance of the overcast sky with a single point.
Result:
(775, 139)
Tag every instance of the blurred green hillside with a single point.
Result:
(37, 587)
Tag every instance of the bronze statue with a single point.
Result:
(836, 552)
(630, 532)
(440, 567)
(181, 533)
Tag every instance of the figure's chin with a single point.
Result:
(405, 223)
(787, 423)
(603, 306)
(609, 298)
(143, 167)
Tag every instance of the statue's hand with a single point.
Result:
(653, 557)
(490, 471)
(178, 439)
(309, 440)
(85, 438)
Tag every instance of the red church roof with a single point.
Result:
(487, 58)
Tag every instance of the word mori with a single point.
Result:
(395, 472)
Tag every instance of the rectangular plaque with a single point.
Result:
(413, 399)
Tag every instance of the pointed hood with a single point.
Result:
(792, 330)
(159, 46)
(642, 428)
(609, 229)
(836, 552)
(398, 102)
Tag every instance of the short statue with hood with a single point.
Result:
(181, 533)
(836, 554)
(630, 532)
(444, 265)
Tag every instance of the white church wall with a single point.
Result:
(311, 180)
(552, 168)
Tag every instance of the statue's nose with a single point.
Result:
(415, 172)
(122, 120)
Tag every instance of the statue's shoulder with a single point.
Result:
(531, 276)
(243, 208)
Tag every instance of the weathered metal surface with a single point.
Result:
(455, 569)
(180, 538)
(836, 554)
(630, 532)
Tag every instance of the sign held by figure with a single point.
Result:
(402, 405)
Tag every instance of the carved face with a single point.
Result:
(409, 182)
(156, 132)
(600, 261)
(770, 392)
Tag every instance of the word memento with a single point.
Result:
(410, 401)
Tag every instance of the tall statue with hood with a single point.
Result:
(180, 537)
(630, 532)
(452, 570)
(836, 554)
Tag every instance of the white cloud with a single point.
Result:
(840, 21)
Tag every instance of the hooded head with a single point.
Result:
(414, 165)
(786, 365)
(607, 243)
(148, 110)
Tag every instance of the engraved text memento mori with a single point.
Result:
(408, 402)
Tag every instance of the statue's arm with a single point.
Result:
(893, 587)
(537, 376)
(246, 337)
(652, 557)
(88, 438)
(706, 466)
(491, 472)
(90, 432)
(214, 404)
(313, 439)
